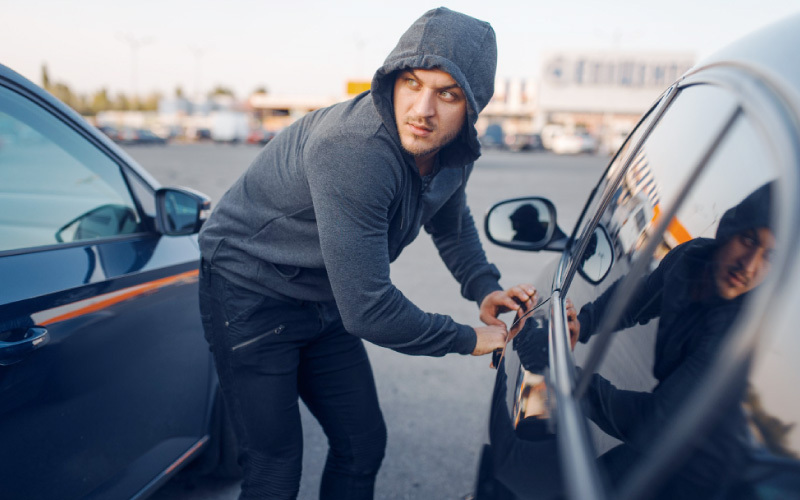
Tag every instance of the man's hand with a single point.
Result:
(502, 301)
(489, 338)
(573, 324)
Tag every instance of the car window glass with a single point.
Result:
(667, 323)
(607, 182)
(55, 186)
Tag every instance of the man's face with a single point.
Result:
(743, 262)
(429, 110)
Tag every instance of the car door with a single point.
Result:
(104, 373)
(636, 415)
(534, 379)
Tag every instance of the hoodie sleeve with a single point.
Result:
(460, 248)
(352, 191)
(627, 415)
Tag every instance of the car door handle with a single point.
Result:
(33, 338)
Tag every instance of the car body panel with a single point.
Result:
(728, 125)
(119, 391)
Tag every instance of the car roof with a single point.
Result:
(770, 53)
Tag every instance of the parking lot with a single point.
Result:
(436, 409)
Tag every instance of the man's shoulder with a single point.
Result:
(352, 134)
(354, 118)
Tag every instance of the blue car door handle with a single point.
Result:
(34, 338)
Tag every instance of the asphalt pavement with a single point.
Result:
(436, 409)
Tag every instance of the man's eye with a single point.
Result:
(412, 83)
(447, 95)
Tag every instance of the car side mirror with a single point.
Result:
(525, 224)
(181, 211)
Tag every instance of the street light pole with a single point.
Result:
(135, 44)
(198, 55)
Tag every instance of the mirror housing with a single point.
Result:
(525, 224)
(181, 211)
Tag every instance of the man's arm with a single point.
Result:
(643, 306)
(352, 195)
(456, 238)
(628, 415)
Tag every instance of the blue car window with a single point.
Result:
(55, 186)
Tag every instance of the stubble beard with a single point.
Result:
(423, 151)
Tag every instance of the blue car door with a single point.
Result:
(104, 372)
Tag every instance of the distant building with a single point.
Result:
(513, 106)
(276, 112)
(604, 92)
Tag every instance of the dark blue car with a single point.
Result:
(107, 386)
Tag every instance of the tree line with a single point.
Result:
(102, 100)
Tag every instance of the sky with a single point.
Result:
(312, 48)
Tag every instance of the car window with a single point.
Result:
(608, 184)
(686, 261)
(55, 186)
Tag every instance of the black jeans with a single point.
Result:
(269, 351)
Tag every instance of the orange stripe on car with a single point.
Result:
(94, 304)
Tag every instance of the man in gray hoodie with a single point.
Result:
(296, 257)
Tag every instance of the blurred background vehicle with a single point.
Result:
(523, 142)
(229, 126)
(110, 132)
(576, 143)
(144, 136)
(260, 136)
(493, 137)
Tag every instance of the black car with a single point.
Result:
(675, 373)
(523, 142)
(107, 386)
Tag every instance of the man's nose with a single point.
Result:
(425, 104)
(751, 262)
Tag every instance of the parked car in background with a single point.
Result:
(229, 126)
(612, 140)
(130, 136)
(109, 131)
(572, 144)
(145, 136)
(107, 386)
(260, 136)
(684, 272)
(523, 142)
(493, 137)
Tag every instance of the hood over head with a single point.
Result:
(751, 213)
(462, 46)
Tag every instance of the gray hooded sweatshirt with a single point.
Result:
(333, 199)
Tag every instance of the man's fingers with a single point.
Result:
(525, 294)
(491, 320)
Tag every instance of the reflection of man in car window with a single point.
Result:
(696, 291)
(526, 224)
